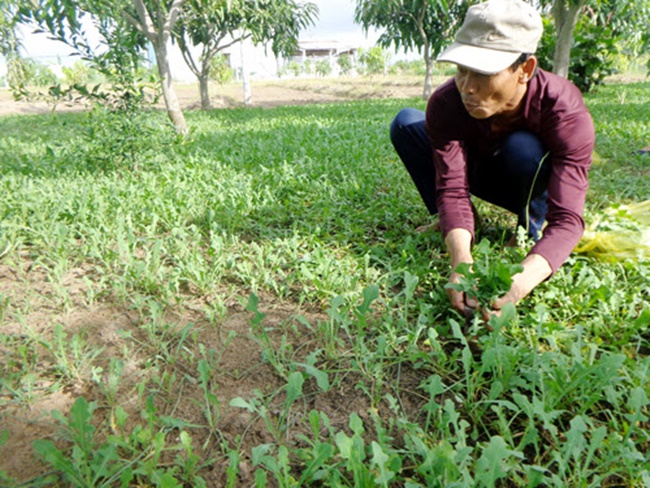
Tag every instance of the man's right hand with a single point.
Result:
(459, 242)
(459, 301)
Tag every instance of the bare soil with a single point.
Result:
(113, 329)
(264, 94)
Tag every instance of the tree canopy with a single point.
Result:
(127, 26)
(424, 26)
(214, 25)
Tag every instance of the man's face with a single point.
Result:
(488, 95)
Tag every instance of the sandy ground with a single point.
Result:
(264, 93)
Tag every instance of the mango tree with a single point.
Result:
(215, 25)
(9, 41)
(589, 33)
(124, 27)
(425, 26)
(565, 18)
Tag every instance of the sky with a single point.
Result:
(335, 22)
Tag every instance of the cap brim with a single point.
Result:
(479, 59)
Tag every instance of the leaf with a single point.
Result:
(4, 436)
(370, 294)
(294, 387)
(80, 423)
(239, 402)
(204, 372)
(321, 377)
(356, 424)
(344, 443)
(320, 455)
(55, 458)
(167, 480)
(576, 442)
(492, 465)
(379, 460)
(260, 456)
(411, 281)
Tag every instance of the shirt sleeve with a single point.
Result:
(450, 159)
(568, 132)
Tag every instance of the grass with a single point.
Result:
(271, 317)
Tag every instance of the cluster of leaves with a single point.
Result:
(124, 458)
(486, 279)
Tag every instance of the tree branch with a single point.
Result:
(172, 17)
(146, 24)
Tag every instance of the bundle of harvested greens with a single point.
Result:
(622, 232)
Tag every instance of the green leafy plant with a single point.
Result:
(125, 458)
(488, 277)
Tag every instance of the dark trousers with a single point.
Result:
(512, 178)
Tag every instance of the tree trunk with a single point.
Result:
(565, 16)
(428, 78)
(246, 84)
(204, 82)
(172, 104)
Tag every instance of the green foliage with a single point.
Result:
(216, 25)
(307, 67)
(344, 62)
(220, 70)
(487, 278)
(592, 55)
(408, 68)
(79, 74)
(294, 68)
(23, 73)
(323, 67)
(605, 29)
(118, 61)
(117, 140)
(421, 26)
(124, 458)
(373, 61)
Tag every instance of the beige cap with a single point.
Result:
(494, 34)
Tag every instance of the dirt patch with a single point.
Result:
(62, 373)
(59, 346)
(264, 94)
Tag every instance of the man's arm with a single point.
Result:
(459, 246)
(536, 269)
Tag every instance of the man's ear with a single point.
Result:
(527, 69)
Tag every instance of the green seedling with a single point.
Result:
(487, 278)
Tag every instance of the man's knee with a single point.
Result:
(404, 119)
(522, 149)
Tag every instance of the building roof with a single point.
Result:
(325, 46)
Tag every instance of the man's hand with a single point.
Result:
(459, 242)
(536, 270)
(459, 301)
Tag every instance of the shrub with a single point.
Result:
(344, 61)
(323, 67)
(220, 70)
(374, 60)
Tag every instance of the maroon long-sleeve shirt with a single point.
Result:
(554, 110)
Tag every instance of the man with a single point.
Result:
(506, 132)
